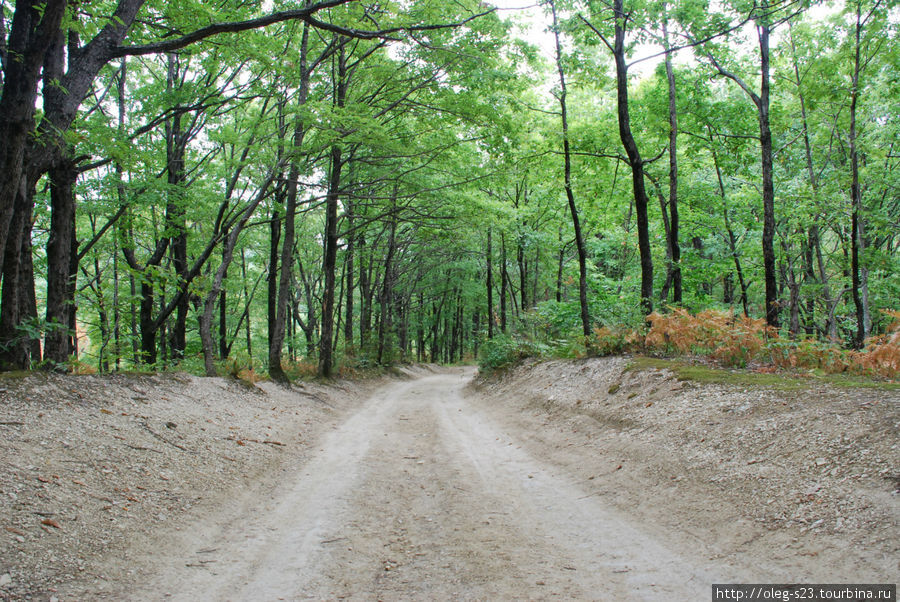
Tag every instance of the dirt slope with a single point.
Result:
(94, 467)
(802, 482)
(572, 480)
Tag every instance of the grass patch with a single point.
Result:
(705, 374)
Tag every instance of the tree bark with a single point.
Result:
(768, 182)
(504, 278)
(634, 158)
(858, 272)
(387, 288)
(490, 288)
(34, 27)
(57, 348)
(14, 350)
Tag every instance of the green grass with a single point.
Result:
(784, 381)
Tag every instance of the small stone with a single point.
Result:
(5, 579)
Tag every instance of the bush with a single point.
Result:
(882, 353)
(502, 351)
(730, 339)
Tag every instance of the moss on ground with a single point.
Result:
(785, 381)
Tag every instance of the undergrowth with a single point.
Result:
(722, 338)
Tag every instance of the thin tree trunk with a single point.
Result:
(277, 332)
(384, 321)
(674, 245)
(490, 287)
(732, 239)
(249, 299)
(209, 302)
(634, 158)
(348, 282)
(504, 278)
(570, 195)
(765, 143)
(326, 359)
(858, 272)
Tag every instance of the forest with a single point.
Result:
(297, 187)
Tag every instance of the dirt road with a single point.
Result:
(422, 495)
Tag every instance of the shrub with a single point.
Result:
(501, 351)
(809, 354)
(730, 339)
(882, 353)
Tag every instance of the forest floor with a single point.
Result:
(574, 480)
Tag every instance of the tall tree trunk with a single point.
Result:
(223, 317)
(349, 282)
(277, 330)
(209, 302)
(570, 195)
(176, 147)
(504, 278)
(275, 220)
(14, 351)
(813, 253)
(326, 358)
(634, 158)
(34, 27)
(768, 181)
(420, 329)
(560, 263)
(248, 296)
(761, 101)
(490, 287)
(674, 245)
(57, 347)
(365, 295)
(384, 321)
(859, 273)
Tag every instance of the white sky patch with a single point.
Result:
(534, 27)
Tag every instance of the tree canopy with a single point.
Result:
(302, 186)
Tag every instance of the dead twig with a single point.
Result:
(161, 438)
(263, 441)
(141, 448)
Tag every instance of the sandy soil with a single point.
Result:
(572, 480)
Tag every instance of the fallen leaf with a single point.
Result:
(51, 523)
(105, 411)
(14, 531)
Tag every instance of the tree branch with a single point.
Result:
(303, 14)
